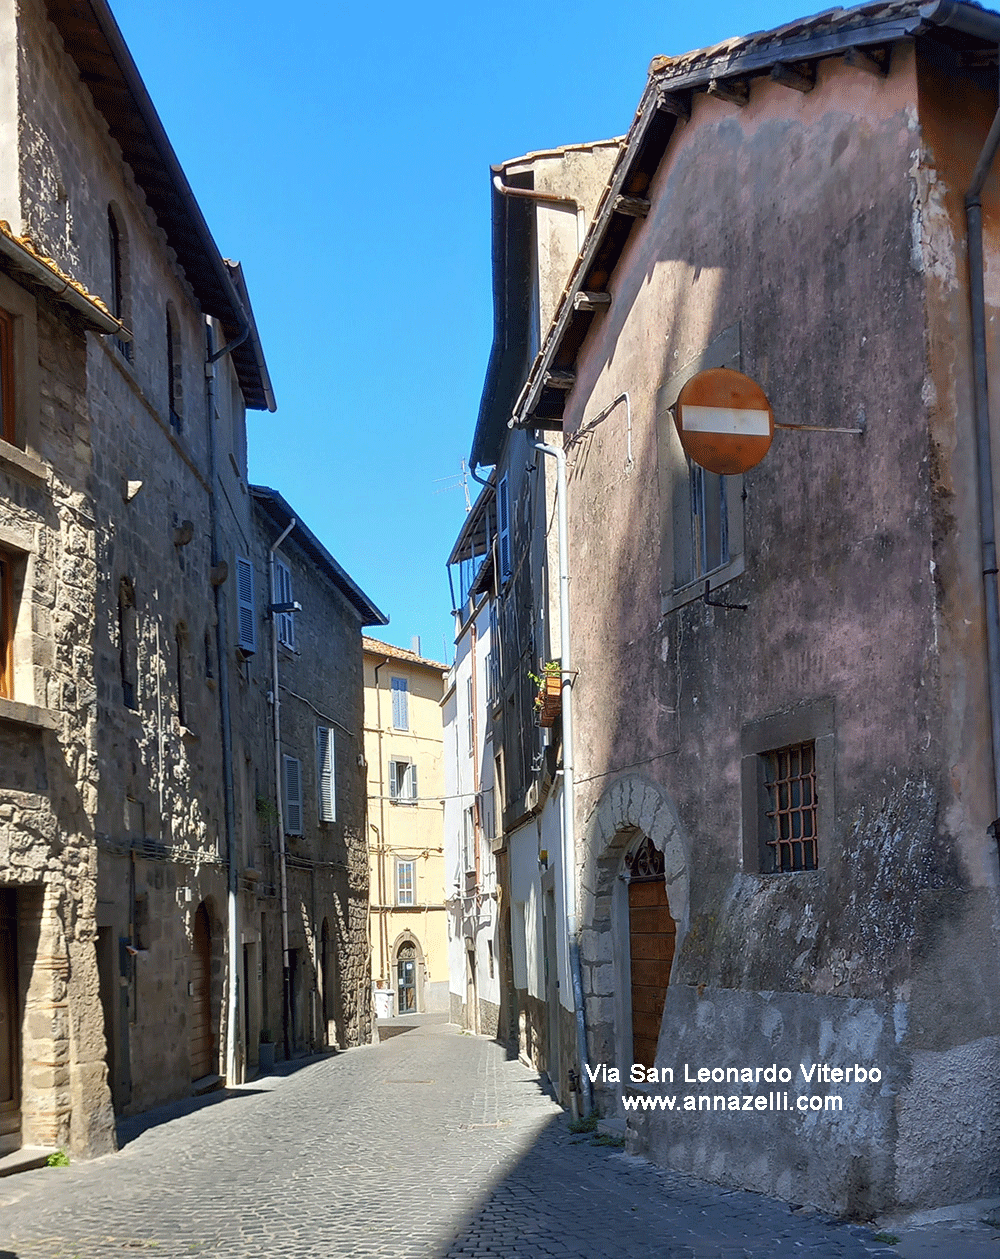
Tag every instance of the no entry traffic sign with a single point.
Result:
(724, 420)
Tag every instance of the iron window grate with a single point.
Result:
(791, 788)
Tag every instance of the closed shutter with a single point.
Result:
(247, 640)
(400, 704)
(393, 781)
(293, 796)
(283, 594)
(412, 793)
(325, 774)
(503, 528)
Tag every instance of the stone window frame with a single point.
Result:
(18, 639)
(678, 479)
(19, 442)
(813, 722)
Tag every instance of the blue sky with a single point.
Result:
(342, 153)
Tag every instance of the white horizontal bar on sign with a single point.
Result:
(728, 420)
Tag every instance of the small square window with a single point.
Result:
(790, 782)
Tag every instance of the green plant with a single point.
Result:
(888, 1239)
(58, 1159)
(584, 1125)
(551, 669)
(607, 1139)
(267, 810)
(265, 1036)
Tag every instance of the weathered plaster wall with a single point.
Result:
(792, 221)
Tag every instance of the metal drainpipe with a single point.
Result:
(225, 713)
(569, 790)
(984, 460)
(282, 864)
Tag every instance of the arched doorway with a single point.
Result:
(202, 1042)
(633, 827)
(652, 938)
(406, 978)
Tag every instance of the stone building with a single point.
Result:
(140, 952)
(301, 802)
(785, 681)
(403, 750)
(52, 1075)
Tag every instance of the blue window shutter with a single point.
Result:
(293, 796)
(503, 528)
(400, 704)
(325, 776)
(247, 620)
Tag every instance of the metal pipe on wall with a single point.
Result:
(282, 858)
(568, 786)
(984, 455)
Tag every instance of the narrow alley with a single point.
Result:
(429, 1144)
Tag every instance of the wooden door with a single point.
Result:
(10, 1057)
(652, 934)
(202, 1045)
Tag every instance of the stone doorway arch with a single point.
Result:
(634, 816)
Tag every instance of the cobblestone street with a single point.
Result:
(430, 1144)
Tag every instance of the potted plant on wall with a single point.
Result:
(548, 701)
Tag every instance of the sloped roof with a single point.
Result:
(378, 648)
(963, 32)
(270, 503)
(92, 38)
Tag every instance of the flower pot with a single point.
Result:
(550, 695)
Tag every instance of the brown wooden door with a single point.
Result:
(202, 1041)
(652, 934)
(10, 1072)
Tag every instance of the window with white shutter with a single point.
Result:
(293, 796)
(247, 619)
(402, 781)
(503, 528)
(325, 774)
(282, 593)
(400, 704)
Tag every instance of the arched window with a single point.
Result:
(175, 383)
(118, 250)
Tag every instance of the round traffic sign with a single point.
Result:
(724, 420)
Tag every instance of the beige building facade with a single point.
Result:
(404, 749)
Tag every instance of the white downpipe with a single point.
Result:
(282, 864)
(568, 787)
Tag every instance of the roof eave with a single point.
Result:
(281, 514)
(953, 14)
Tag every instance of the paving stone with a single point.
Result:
(349, 1156)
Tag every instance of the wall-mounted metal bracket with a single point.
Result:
(714, 603)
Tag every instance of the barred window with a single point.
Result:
(790, 779)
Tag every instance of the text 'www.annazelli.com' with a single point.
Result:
(802, 1102)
